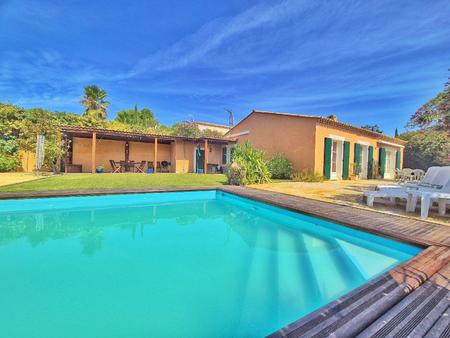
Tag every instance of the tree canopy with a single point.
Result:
(373, 127)
(95, 103)
(429, 144)
(434, 113)
(139, 120)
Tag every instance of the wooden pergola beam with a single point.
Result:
(94, 144)
(205, 162)
(155, 161)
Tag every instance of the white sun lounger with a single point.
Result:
(437, 188)
(427, 197)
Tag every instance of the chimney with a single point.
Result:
(332, 117)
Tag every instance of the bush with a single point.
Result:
(235, 174)
(251, 163)
(307, 176)
(280, 167)
(8, 162)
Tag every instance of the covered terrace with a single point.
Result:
(89, 148)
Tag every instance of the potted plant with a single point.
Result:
(356, 170)
(100, 169)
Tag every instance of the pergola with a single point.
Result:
(69, 132)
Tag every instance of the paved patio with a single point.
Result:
(13, 178)
(347, 193)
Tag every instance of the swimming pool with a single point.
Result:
(191, 264)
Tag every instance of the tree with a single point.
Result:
(373, 127)
(211, 133)
(95, 103)
(425, 148)
(434, 113)
(139, 120)
(396, 132)
(186, 129)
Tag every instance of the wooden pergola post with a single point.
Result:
(205, 162)
(155, 161)
(94, 143)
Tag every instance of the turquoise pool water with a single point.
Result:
(191, 264)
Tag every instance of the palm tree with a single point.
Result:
(94, 101)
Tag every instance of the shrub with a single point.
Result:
(251, 163)
(8, 162)
(235, 174)
(280, 167)
(307, 176)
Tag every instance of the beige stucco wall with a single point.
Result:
(183, 155)
(105, 150)
(288, 135)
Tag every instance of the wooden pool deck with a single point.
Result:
(411, 300)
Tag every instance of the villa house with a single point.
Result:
(324, 145)
(89, 148)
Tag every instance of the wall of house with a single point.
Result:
(105, 150)
(142, 151)
(323, 131)
(288, 135)
(183, 153)
(115, 150)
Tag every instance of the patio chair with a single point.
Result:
(150, 165)
(430, 179)
(165, 166)
(140, 167)
(417, 175)
(403, 175)
(115, 168)
(158, 166)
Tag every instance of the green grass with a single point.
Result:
(115, 181)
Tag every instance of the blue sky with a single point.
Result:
(365, 61)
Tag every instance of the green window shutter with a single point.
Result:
(327, 158)
(346, 161)
(382, 161)
(398, 160)
(370, 163)
(357, 159)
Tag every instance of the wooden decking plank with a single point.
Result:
(441, 327)
(430, 318)
(390, 322)
(342, 305)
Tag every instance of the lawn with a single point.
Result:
(115, 181)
